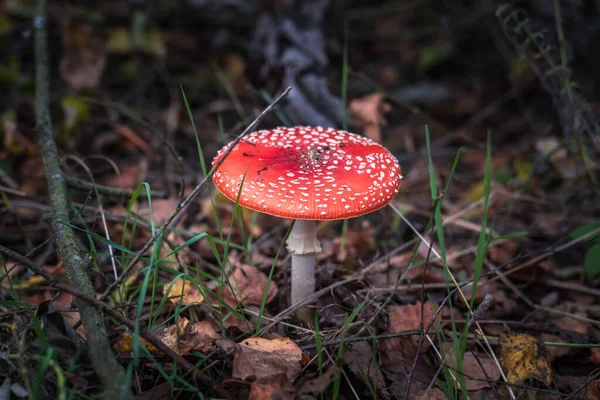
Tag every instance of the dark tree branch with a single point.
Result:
(76, 263)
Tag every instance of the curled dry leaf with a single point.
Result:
(248, 284)
(182, 291)
(256, 358)
(369, 112)
(186, 337)
(272, 387)
(523, 358)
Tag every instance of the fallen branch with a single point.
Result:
(76, 263)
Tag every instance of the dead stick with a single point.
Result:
(76, 263)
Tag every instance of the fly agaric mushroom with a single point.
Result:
(308, 174)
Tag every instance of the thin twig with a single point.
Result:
(76, 264)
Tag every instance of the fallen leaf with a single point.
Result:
(256, 358)
(369, 112)
(128, 178)
(360, 242)
(569, 324)
(523, 358)
(408, 317)
(182, 291)
(84, 57)
(199, 336)
(431, 394)
(125, 344)
(311, 388)
(595, 355)
(362, 361)
(593, 391)
(472, 369)
(186, 337)
(272, 387)
(162, 209)
(248, 284)
(398, 354)
(158, 392)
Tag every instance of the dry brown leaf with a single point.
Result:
(593, 390)
(398, 354)
(311, 388)
(125, 344)
(182, 291)
(360, 359)
(569, 324)
(248, 284)
(158, 392)
(408, 317)
(472, 369)
(14, 142)
(272, 387)
(199, 336)
(369, 112)
(595, 355)
(431, 394)
(256, 358)
(129, 177)
(84, 57)
(186, 337)
(360, 242)
(523, 358)
(162, 209)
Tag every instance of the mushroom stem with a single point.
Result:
(303, 245)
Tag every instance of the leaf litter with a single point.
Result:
(374, 280)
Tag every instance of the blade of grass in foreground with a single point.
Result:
(437, 213)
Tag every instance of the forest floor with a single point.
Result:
(481, 279)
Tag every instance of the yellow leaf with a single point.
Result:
(474, 193)
(523, 358)
(125, 344)
(33, 281)
(523, 168)
(183, 291)
(119, 41)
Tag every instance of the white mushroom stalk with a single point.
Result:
(303, 245)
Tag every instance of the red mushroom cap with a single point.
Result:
(308, 173)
